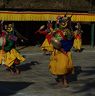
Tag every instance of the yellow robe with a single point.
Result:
(9, 57)
(61, 64)
(77, 42)
(2, 55)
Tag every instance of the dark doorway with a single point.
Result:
(86, 36)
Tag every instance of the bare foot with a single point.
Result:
(17, 71)
(66, 85)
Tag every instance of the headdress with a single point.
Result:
(63, 21)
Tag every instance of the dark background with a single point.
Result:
(28, 29)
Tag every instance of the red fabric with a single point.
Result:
(3, 33)
(78, 36)
(61, 33)
(43, 32)
(49, 36)
(16, 61)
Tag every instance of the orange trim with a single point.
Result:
(28, 12)
(44, 16)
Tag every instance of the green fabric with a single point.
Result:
(1, 42)
(9, 44)
(58, 37)
(61, 27)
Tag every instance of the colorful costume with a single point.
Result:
(46, 45)
(11, 55)
(11, 52)
(77, 39)
(61, 60)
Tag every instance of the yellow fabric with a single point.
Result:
(44, 16)
(77, 43)
(60, 64)
(9, 57)
(47, 46)
(2, 55)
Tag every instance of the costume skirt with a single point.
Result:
(61, 64)
(10, 56)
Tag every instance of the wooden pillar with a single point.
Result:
(92, 34)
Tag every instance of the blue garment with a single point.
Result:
(67, 44)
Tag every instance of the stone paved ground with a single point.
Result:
(35, 79)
